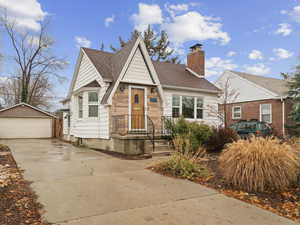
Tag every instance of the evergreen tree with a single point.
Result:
(157, 45)
(294, 95)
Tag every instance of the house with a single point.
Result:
(26, 121)
(119, 101)
(257, 97)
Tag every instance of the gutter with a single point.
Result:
(191, 89)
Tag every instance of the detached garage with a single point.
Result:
(25, 121)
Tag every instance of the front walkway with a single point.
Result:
(83, 187)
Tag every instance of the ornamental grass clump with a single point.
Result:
(183, 166)
(259, 164)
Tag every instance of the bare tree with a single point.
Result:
(36, 65)
(228, 96)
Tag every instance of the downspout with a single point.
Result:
(283, 116)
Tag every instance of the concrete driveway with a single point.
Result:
(83, 187)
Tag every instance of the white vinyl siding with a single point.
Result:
(65, 123)
(210, 105)
(246, 90)
(94, 127)
(137, 71)
(87, 73)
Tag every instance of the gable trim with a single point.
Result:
(137, 49)
(25, 104)
(75, 74)
(139, 42)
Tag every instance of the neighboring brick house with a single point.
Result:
(257, 97)
(118, 101)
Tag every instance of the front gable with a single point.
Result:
(138, 71)
(246, 90)
(86, 73)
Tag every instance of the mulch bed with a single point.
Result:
(285, 203)
(18, 204)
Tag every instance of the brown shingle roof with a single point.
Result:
(274, 85)
(177, 75)
(109, 65)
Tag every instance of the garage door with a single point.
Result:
(25, 128)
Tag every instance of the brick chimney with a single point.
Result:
(196, 59)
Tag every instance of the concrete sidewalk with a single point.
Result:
(84, 187)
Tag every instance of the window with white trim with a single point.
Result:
(266, 113)
(236, 112)
(175, 106)
(93, 105)
(189, 107)
(80, 106)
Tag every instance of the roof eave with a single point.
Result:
(191, 89)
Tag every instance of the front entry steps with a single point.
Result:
(162, 148)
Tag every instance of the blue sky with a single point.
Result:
(257, 36)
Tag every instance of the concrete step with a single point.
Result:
(161, 153)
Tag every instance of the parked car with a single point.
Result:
(252, 127)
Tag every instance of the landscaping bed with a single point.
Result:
(18, 204)
(286, 203)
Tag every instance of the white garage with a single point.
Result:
(25, 121)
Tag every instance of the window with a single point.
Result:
(236, 112)
(175, 106)
(199, 110)
(188, 106)
(266, 113)
(136, 99)
(80, 101)
(93, 104)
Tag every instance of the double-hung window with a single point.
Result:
(175, 106)
(236, 112)
(266, 113)
(93, 104)
(80, 106)
(189, 107)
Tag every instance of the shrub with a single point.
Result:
(190, 135)
(219, 138)
(259, 164)
(184, 166)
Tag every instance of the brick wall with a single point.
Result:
(251, 110)
(120, 104)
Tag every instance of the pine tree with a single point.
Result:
(157, 45)
(294, 94)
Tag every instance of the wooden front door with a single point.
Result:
(137, 108)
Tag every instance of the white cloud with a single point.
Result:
(82, 42)
(283, 12)
(295, 13)
(216, 66)
(26, 13)
(109, 20)
(255, 54)
(284, 29)
(147, 15)
(231, 53)
(259, 69)
(179, 7)
(194, 26)
(282, 53)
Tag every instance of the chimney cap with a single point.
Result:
(195, 46)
